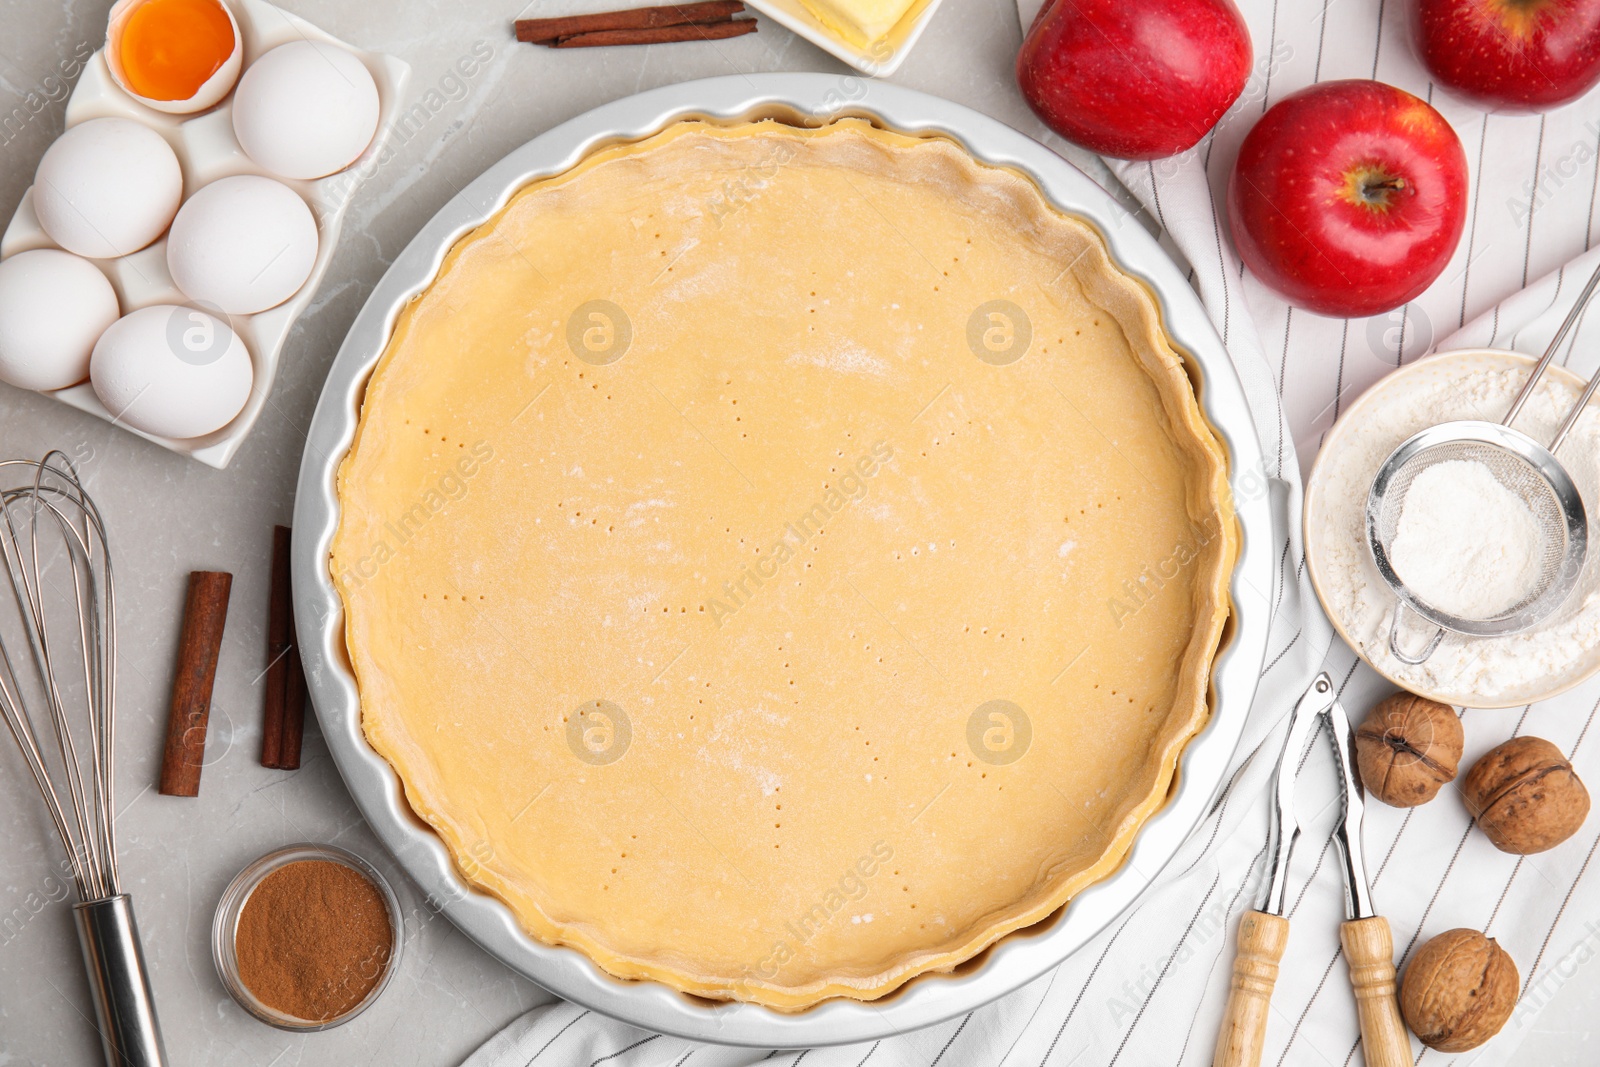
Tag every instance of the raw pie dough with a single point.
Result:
(781, 562)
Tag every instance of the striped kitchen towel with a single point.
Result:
(1150, 988)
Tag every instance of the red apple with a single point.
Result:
(1348, 197)
(1510, 55)
(1136, 79)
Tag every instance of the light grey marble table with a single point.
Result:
(171, 515)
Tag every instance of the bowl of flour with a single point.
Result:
(1464, 538)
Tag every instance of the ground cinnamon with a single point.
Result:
(313, 939)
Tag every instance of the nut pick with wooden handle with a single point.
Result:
(1368, 947)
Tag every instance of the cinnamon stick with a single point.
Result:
(284, 700)
(698, 31)
(280, 642)
(294, 714)
(543, 31)
(205, 614)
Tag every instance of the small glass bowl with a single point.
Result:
(224, 930)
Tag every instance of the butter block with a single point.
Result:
(859, 22)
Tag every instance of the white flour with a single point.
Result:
(1465, 543)
(1496, 670)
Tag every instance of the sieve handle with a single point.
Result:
(1400, 609)
(1577, 409)
(1544, 361)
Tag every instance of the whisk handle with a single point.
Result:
(123, 1008)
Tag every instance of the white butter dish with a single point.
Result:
(879, 58)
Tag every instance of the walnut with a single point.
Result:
(1458, 991)
(1526, 796)
(1407, 748)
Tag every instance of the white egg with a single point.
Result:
(243, 244)
(305, 109)
(171, 371)
(53, 308)
(107, 187)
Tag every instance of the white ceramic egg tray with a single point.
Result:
(207, 150)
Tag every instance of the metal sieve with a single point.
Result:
(1524, 467)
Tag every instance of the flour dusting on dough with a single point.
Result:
(844, 358)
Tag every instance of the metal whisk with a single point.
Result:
(58, 652)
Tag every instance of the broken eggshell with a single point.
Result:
(210, 93)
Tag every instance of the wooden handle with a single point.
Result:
(1262, 938)
(1369, 948)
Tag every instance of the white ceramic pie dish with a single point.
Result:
(808, 99)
